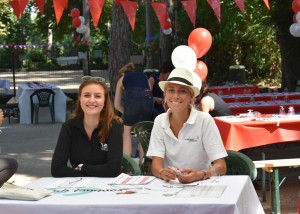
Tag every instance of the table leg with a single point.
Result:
(263, 180)
(275, 191)
(271, 176)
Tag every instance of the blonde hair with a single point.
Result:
(126, 68)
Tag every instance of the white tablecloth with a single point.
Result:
(23, 95)
(239, 197)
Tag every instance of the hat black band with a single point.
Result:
(180, 80)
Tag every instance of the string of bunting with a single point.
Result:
(129, 7)
(69, 45)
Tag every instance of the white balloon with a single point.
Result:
(295, 29)
(184, 57)
(298, 17)
(82, 19)
(81, 29)
(197, 81)
(167, 31)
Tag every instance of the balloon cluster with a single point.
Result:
(295, 27)
(167, 29)
(78, 21)
(199, 42)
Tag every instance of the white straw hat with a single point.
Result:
(181, 76)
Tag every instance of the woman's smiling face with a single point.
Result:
(177, 96)
(92, 99)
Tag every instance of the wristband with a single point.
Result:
(204, 174)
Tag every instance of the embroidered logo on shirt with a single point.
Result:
(104, 147)
(191, 140)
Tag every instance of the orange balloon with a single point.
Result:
(200, 41)
(201, 70)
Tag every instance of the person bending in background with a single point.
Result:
(137, 103)
(154, 79)
(212, 103)
(8, 166)
(92, 140)
(184, 141)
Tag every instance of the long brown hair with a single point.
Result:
(107, 114)
(204, 89)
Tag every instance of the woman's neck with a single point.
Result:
(90, 123)
(177, 120)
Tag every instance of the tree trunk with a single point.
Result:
(119, 47)
(166, 47)
(289, 45)
(86, 37)
(149, 30)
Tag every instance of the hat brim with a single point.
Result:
(162, 85)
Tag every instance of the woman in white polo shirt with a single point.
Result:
(184, 142)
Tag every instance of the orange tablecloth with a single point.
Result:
(235, 89)
(260, 97)
(264, 107)
(240, 134)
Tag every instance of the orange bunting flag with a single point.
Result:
(241, 5)
(130, 8)
(40, 4)
(96, 7)
(59, 6)
(19, 7)
(267, 4)
(216, 6)
(160, 9)
(190, 8)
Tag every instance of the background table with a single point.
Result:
(260, 97)
(263, 107)
(235, 89)
(23, 96)
(241, 133)
(238, 197)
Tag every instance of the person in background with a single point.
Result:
(154, 79)
(8, 166)
(137, 103)
(91, 141)
(212, 103)
(184, 141)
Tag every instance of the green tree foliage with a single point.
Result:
(247, 39)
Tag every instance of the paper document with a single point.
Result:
(124, 179)
(70, 182)
(202, 191)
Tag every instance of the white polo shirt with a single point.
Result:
(198, 143)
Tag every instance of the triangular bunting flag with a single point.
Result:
(190, 8)
(215, 5)
(241, 5)
(96, 7)
(19, 7)
(130, 8)
(119, 2)
(15, 5)
(59, 6)
(160, 9)
(22, 5)
(267, 4)
(40, 4)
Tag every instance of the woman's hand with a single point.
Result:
(189, 175)
(167, 174)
